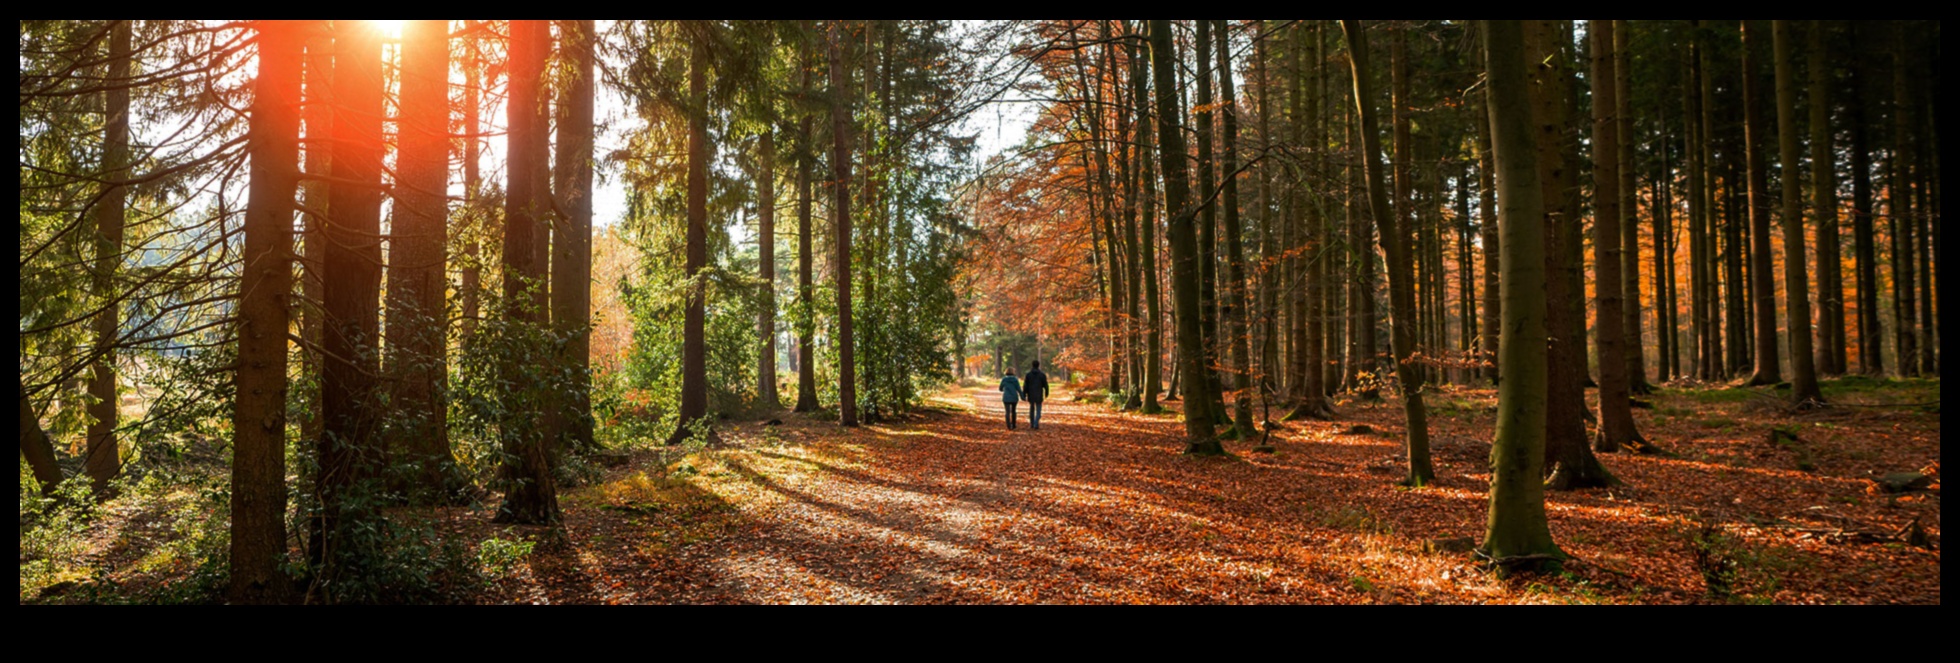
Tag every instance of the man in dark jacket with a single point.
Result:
(1035, 389)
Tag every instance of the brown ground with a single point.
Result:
(1099, 507)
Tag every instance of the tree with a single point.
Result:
(104, 459)
(806, 378)
(694, 352)
(1516, 529)
(351, 288)
(1762, 289)
(258, 471)
(1803, 384)
(766, 238)
(417, 279)
(1823, 188)
(1235, 294)
(571, 263)
(1198, 427)
(840, 132)
(530, 491)
(1401, 272)
(1616, 427)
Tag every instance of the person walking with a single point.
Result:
(1010, 395)
(1036, 389)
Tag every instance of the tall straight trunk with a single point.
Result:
(1667, 321)
(840, 132)
(351, 285)
(1738, 318)
(1095, 157)
(1466, 268)
(417, 279)
(1698, 212)
(1361, 243)
(1803, 384)
(1153, 355)
(258, 466)
(1761, 270)
(316, 115)
(571, 263)
(471, 288)
(530, 491)
(1198, 427)
(1329, 268)
(1712, 364)
(1293, 268)
(1235, 293)
(1899, 202)
(1516, 527)
(1207, 221)
(766, 237)
(1404, 190)
(1569, 460)
(103, 460)
(1269, 245)
(1493, 251)
(1823, 182)
(1616, 426)
(1629, 212)
(1871, 357)
(1126, 163)
(694, 344)
(1401, 269)
(806, 300)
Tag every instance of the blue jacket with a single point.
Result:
(1010, 389)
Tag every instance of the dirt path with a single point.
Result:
(1099, 507)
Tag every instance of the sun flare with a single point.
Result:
(389, 29)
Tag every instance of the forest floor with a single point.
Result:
(1100, 507)
(948, 506)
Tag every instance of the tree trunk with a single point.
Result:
(258, 468)
(1803, 383)
(1517, 527)
(1153, 356)
(1823, 178)
(1761, 270)
(417, 280)
(530, 491)
(351, 286)
(840, 131)
(39, 453)
(1487, 217)
(766, 238)
(1616, 426)
(1629, 211)
(1569, 461)
(1871, 358)
(1207, 201)
(1198, 428)
(806, 301)
(571, 264)
(1235, 293)
(103, 459)
(694, 345)
(1401, 271)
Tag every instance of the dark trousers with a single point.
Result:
(1034, 414)
(1010, 413)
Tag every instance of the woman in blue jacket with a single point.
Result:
(1010, 395)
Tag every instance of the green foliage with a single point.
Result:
(498, 557)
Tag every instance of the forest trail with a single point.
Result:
(1100, 507)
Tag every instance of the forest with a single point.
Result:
(980, 312)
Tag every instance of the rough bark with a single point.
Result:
(1761, 270)
(1235, 292)
(1803, 381)
(571, 262)
(1871, 358)
(1198, 427)
(1630, 212)
(417, 280)
(258, 469)
(351, 286)
(765, 325)
(530, 491)
(103, 458)
(840, 131)
(1401, 269)
(1823, 187)
(1616, 425)
(1517, 527)
(806, 302)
